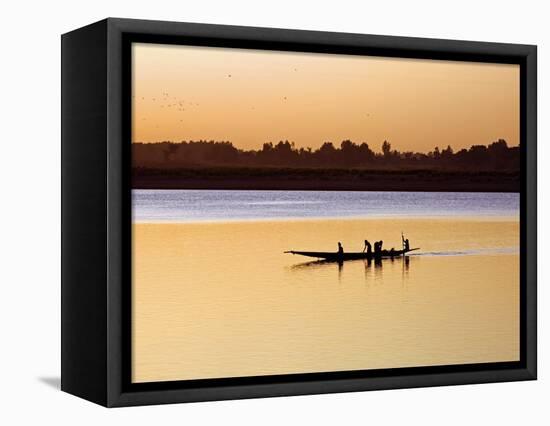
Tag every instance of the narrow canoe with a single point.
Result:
(351, 255)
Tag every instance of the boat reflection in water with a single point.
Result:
(375, 264)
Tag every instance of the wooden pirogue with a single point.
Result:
(339, 257)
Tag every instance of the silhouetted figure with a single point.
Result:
(392, 252)
(406, 246)
(377, 248)
(368, 248)
(380, 243)
(340, 249)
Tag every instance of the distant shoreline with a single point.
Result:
(325, 180)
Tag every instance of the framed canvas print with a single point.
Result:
(253, 212)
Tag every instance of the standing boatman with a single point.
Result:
(405, 241)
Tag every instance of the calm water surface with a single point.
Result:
(200, 205)
(214, 295)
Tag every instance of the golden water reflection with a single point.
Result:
(223, 300)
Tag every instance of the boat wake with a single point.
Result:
(471, 252)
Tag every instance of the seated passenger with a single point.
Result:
(367, 247)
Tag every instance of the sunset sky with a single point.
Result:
(250, 97)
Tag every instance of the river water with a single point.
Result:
(214, 294)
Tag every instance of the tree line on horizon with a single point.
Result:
(497, 156)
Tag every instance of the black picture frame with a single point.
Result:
(96, 212)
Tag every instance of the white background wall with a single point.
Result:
(30, 210)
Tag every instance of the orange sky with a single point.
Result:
(250, 97)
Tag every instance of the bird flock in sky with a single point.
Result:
(166, 100)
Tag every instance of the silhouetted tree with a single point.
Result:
(386, 149)
(496, 156)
